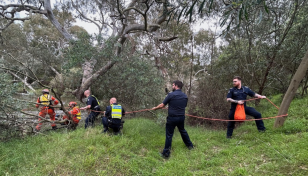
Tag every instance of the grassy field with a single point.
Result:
(282, 151)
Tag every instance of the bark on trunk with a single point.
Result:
(287, 99)
(87, 83)
(55, 22)
(89, 77)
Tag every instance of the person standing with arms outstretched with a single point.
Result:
(177, 102)
(237, 95)
(93, 106)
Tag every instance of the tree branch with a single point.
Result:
(55, 22)
(167, 39)
(23, 81)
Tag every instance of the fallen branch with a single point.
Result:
(43, 119)
(38, 103)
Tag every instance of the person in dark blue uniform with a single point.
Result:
(237, 95)
(177, 102)
(113, 117)
(93, 106)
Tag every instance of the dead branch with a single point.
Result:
(167, 39)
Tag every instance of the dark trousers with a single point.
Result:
(114, 124)
(173, 122)
(91, 118)
(249, 111)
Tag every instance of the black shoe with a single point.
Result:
(165, 156)
(54, 128)
(262, 131)
(229, 137)
(190, 147)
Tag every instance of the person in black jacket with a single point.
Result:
(113, 117)
(237, 95)
(93, 106)
(177, 102)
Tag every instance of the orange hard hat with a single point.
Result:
(72, 103)
(45, 91)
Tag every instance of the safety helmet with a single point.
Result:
(72, 103)
(45, 91)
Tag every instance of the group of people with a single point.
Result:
(112, 117)
(176, 101)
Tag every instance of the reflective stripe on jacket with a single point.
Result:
(116, 111)
(45, 100)
(96, 99)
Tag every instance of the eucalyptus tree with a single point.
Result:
(239, 12)
(8, 123)
(115, 16)
(37, 44)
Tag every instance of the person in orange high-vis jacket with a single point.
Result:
(75, 112)
(45, 101)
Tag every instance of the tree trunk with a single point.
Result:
(88, 76)
(294, 84)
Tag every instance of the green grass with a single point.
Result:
(282, 151)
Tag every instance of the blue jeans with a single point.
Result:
(91, 118)
(249, 111)
(173, 122)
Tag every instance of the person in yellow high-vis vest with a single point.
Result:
(45, 101)
(113, 116)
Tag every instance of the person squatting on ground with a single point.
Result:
(177, 101)
(45, 101)
(113, 116)
(93, 106)
(237, 95)
(75, 114)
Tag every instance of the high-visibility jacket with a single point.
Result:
(45, 99)
(75, 112)
(116, 111)
(78, 115)
(96, 99)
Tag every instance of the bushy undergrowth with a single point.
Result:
(281, 151)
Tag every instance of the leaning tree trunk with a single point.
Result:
(294, 84)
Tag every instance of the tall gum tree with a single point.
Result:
(123, 20)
